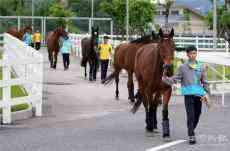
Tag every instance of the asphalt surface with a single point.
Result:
(79, 115)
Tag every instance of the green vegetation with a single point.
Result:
(223, 20)
(141, 14)
(219, 69)
(16, 91)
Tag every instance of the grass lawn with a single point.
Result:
(16, 91)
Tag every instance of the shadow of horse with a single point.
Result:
(19, 34)
(52, 43)
(89, 54)
(124, 58)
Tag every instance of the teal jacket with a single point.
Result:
(193, 79)
(66, 46)
(27, 38)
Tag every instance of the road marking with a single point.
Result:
(166, 145)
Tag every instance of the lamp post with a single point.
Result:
(92, 11)
(214, 25)
(32, 9)
(167, 5)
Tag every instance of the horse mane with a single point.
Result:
(145, 39)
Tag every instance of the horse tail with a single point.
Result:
(110, 78)
(138, 103)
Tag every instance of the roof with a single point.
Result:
(195, 11)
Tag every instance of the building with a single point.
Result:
(184, 19)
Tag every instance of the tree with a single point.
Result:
(223, 21)
(168, 4)
(13, 7)
(57, 10)
(141, 13)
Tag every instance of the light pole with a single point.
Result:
(214, 25)
(127, 20)
(32, 8)
(92, 10)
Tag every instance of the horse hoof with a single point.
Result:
(156, 131)
(167, 139)
(149, 133)
(131, 102)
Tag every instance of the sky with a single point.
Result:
(200, 5)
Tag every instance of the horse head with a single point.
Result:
(27, 29)
(13, 31)
(95, 36)
(60, 32)
(167, 48)
(94, 41)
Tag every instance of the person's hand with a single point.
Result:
(164, 77)
(205, 99)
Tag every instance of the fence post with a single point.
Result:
(19, 23)
(226, 47)
(223, 78)
(197, 45)
(6, 110)
(38, 105)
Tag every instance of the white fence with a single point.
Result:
(202, 43)
(27, 65)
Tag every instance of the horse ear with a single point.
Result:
(171, 33)
(161, 34)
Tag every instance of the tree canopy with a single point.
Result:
(223, 20)
(141, 13)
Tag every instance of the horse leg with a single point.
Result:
(50, 58)
(117, 83)
(157, 101)
(90, 71)
(130, 86)
(165, 122)
(55, 59)
(86, 71)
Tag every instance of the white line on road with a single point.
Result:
(166, 145)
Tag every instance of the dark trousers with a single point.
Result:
(93, 66)
(104, 68)
(193, 107)
(37, 45)
(65, 60)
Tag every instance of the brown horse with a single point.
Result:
(124, 58)
(19, 34)
(52, 42)
(151, 61)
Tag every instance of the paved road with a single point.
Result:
(84, 116)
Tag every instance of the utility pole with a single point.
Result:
(214, 25)
(92, 11)
(127, 20)
(214, 37)
(32, 9)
